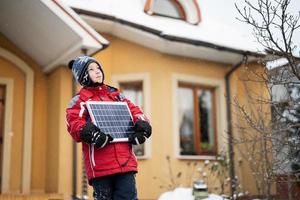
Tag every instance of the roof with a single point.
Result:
(211, 39)
(48, 31)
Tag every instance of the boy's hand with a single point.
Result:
(137, 138)
(143, 126)
(91, 134)
(143, 131)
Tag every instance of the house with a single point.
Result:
(165, 63)
(172, 58)
(36, 39)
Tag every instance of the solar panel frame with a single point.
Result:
(102, 124)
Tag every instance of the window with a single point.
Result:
(168, 8)
(187, 10)
(197, 122)
(136, 87)
(134, 92)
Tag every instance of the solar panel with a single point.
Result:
(113, 118)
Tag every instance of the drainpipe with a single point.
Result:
(74, 160)
(84, 186)
(229, 127)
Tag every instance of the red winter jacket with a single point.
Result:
(113, 158)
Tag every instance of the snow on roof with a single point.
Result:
(276, 63)
(217, 28)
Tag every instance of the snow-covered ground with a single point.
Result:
(186, 194)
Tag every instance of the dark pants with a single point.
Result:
(115, 187)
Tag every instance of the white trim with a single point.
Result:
(6, 154)
(136, 141)
(145, 78)
(74, 21)
(219, 86)
(82, 109)
(93, 155)
(91, 40)
(29, 80)
(190, 9)
(104, 142)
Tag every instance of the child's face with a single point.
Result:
(95, 73)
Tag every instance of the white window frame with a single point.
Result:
(28, 114)
(145, 79)
(219, 86)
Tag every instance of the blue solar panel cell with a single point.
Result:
(113, 118)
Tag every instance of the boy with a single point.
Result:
(110, 167)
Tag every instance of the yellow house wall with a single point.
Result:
(51, 153)
(242, 170)
(239, 91)
(123, 57)
(53, 128)
(65, 161)
(9, 70)
(51, 144)
(59, 149)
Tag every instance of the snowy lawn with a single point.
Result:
(186, 194)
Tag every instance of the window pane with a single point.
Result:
(206, 123)
(186, 121)
(133, 91)
(166, 8)
(196, 120)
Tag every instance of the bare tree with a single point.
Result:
(269, 119)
